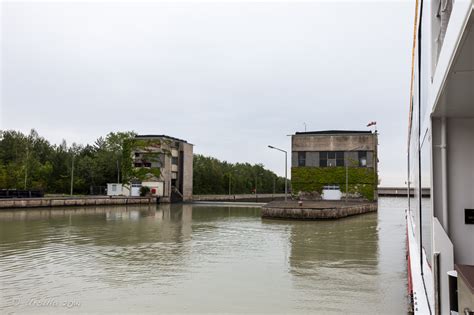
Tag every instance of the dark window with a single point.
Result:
(147, 164)
(174, 160)
(137, 154)
(331, 158)
(301, 158)
(137, 164)
(323, 159)
(339, 158)
(362, 158)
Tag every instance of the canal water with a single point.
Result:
(201, 259)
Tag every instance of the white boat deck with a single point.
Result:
(421, 305)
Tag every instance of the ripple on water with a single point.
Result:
(210, 259)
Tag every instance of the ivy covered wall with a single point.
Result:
(151, 150)
(362, 180)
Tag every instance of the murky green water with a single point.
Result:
(200, 259)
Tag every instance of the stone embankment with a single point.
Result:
(240, 197)
(316, 210)
(72, 201)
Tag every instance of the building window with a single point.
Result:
(339, 158)
(362, 158)
(174, 160)
(323, 159)
(331, 158)
(144, 164)
(137, 154)
(301, 158)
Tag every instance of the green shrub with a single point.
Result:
(144, 191)
(362, 180)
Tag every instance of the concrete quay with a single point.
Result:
(240, 197)
(72, 201)
(315, 210)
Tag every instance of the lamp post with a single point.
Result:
(118, 171)
(256, 184)
(26, 165)
(230, 182)
(286, 169)
(274, 180)
(72, 174)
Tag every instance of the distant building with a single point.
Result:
(320, 160)
(172, 157)
(114, 189)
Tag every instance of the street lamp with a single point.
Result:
(72, 174)
(286, 168)
(256, 185)
(229, 174)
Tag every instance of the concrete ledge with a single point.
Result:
(240, 197)
(316, 210)
(72, 201)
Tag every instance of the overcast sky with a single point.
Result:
(229, 77)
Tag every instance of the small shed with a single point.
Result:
(114, 189)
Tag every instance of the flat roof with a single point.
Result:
(159, 136)
(333, 132)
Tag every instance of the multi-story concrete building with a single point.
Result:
(166, 166)
(331, 159)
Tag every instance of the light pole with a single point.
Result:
(256, 184)
(230, 181)
(26, 165)
(286, 168)
(118, 172)
(274, 180)
(72, 174)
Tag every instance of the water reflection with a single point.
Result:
(210, 259)
(340, 255)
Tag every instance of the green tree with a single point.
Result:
(212, 176)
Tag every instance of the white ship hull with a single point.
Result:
(440, 239)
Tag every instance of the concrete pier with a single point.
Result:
(316, 210)
(240, 197)
(72, 201)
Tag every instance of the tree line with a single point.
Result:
(30, 162)
(212, 176)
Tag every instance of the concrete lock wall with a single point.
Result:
(78, 201)
(328, 213)
(187, 172)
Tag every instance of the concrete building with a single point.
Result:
(326, 160)
(165, 165)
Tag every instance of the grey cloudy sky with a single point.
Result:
(230, 77)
